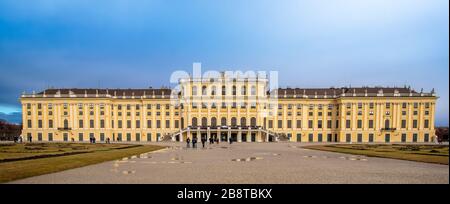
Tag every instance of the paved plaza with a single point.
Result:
(249, 163)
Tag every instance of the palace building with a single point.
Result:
(243, 109)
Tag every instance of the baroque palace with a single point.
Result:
(243, 109)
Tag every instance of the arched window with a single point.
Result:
(253, 90)
(233, 121)
(234, 90)
(66, 124)
(194, 90)
(213, 122)
(213, 90)
(223, 121)
(243, 90)
(224, 90)
(204, 122)
(243, 121)
(253, 121)
(204, 90)
(194, 121)
(386, 124)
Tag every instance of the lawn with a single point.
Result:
(31, 159)
(422, 153)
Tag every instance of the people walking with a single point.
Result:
(231, 140)
(187, 142)
(194, 142)
(203, 142)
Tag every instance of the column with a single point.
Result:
(239, 136)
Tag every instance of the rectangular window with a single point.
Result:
(415, 137)
(426, 124)
(310, 124)
(138, 137)
(403, 124)
(310, 137)
(299, 137)
(102, 137)
(39, 136)
(50, 123)
(149, 137)
(360, 136)
(426, 137)
(158, 124)
(319, 124)
(128, 124)
(347, 124)
(289, 123)
(167, 123)
(138, 124)
(91, 124)
(329, 124)
(359, 124)
(270, 123)
(80, 124)
(102, 123)
(319, 137)
(348, 137)
(387, 138)
(149, 124)
(39, 123)
(29, 124)
(119, 137)
(371, 124)
(414, 123)
(403, 137)
(370, 137)
(128, 137)
(299, 124)
(280, 124)
(119, 123)
(80, 137)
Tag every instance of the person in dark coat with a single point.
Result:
(203, 142)
(194, 142)
(187, 142)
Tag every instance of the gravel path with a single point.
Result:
(249, 163)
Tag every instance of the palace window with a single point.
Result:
(204, 91)
(403, 125)
(224, 90)
(194, 90)
(253, 90)
(213, 90)
(243, 90)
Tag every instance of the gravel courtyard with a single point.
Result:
(249, 163)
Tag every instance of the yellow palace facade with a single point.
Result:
(241, 109)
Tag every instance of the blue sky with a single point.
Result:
(134, 43)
